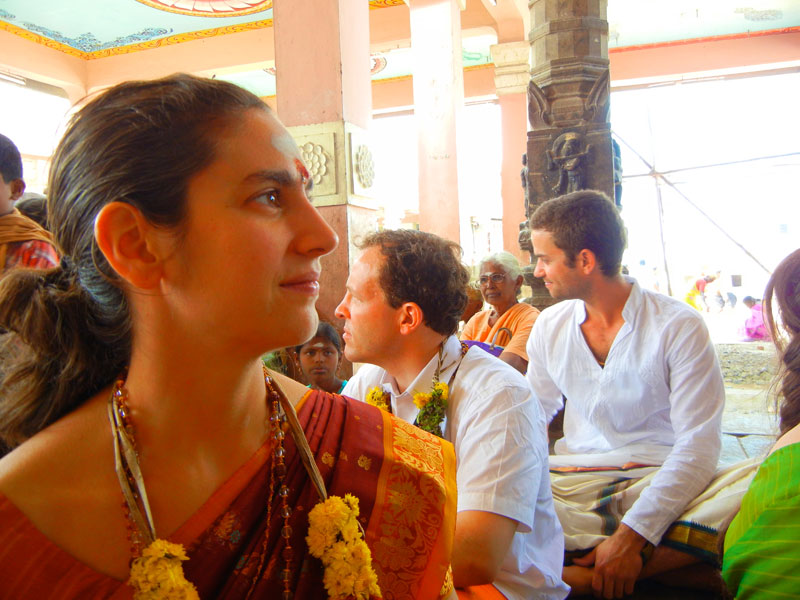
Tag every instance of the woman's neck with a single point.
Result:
(192, 399)
(499, 309)
(333, 385)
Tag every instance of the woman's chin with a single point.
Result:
(305, 326)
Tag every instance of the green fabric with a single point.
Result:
(762, 546)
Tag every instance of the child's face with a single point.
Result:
(9, 193)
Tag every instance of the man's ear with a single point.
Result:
(127, 240)
(586, 261)
(410, 317)
(17, 189)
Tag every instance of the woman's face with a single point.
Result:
(245, 273)
(319, 360)
(496, 285)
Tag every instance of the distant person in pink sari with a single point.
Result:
(754, 328)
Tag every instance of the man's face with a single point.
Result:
(562, 281)
(9, 193)
(371, 325)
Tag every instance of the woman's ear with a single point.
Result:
(127, 240)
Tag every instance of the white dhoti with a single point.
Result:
(591, 501)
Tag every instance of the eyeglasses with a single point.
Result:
(495, 277)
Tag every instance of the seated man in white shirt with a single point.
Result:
(405, 295)
(643, 412)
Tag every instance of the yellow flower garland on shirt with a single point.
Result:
(334, 536)
(379, 398)
(432, 408)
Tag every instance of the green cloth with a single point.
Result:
(762, 546)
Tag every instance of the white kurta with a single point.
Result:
(657, 401)
(500, 439)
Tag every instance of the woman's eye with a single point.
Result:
(268, 197)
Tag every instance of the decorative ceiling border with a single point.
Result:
(488, 65)
(704, 40)
(385, 3)
(167, 41)
(159, 5)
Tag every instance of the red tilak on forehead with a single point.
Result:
(301, 169)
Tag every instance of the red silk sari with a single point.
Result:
(404, 479)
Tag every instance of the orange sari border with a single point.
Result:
(480, 592)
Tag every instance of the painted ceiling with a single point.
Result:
(97, 28)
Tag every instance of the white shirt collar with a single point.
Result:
(423, 382)
(629, 311)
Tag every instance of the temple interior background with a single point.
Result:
(702, 104)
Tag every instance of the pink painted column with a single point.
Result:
(512, 72)
(324, 97)
(438, 98)
(322, 61)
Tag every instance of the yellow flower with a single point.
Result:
(325, 521)
(158, 575)
(378, 397)
(420, 400)
(340, 547)
(441, 386)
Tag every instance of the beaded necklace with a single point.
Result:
(156, 570)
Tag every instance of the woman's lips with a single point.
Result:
(306, 283)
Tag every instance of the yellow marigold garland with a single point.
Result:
(334, 536)
(158, 574)
(432, 408)
(379, 398)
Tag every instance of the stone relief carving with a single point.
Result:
(316, 161)
(595, 107)
(567, 155)
(539, 114)
(365, 167)
(597, 104)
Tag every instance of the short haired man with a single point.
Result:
(405, 295)
(644, 406)
(23, 243)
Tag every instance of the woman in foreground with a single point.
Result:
(133, 390)
(760, 559)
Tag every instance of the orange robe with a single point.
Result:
(404, 479)
(518, 319)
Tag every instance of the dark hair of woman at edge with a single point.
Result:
(783, 293)
(71, 326)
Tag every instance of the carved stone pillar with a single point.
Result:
(569, 141)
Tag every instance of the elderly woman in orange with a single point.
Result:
(500, 281)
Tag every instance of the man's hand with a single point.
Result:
(617, 563)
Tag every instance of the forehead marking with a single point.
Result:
(284, 142)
